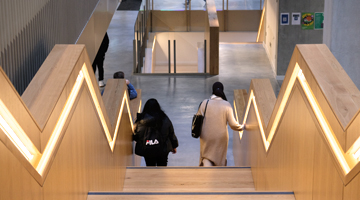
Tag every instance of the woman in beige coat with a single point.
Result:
(214, 136)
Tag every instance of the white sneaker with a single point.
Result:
(101, 84)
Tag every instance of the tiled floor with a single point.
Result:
(179, 95)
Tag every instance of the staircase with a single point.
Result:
(189, 183)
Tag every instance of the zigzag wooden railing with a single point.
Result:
(33, 127)
(332, 101)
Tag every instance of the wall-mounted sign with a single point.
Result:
(319, 21)
(307, 20)
(296, 18)
(284, 19)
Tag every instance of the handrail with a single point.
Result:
(36, 144)
(331, 98)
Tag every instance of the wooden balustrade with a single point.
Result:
(61, 139)
(307, 140)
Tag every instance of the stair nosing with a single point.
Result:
(140, 167)
(190, 193)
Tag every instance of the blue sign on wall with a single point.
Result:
(284, 19)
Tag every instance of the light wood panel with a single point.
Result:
(197, 18)
(47, 85)
(112, 97)
(162, 179)
(321, 103)
(291, 155)
(229, 20)
(252, 129)
(240, 98)
(15, 181)
(351, 191)
(82, 159)
(327, 182)
(265, 98)
(11, 98)
(164, 21)
(242, 20)
(344, 97)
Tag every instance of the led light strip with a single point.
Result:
(13, 137)
(323, 123)
(97, 104)
(237, 119)
(154, 41)
(297, 73)
(49, 149)
(261, 22)
(283, 102)
(100, 113)
(19, 138)
(266, 143)
(357, 154)
(125, 100)
(17, 135)
(354, 150)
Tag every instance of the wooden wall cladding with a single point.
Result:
(194, 20)
(84, 159)
(179, 21)
(197, 19)
(239, 20)
(212, 38)
(169, 21)
(312, 151)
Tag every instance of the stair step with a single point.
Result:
(188, 179)
(191, 195)
(189, 183)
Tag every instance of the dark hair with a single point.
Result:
(218, 90)
(152, 107)
(119, 74)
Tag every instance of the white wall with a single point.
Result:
(186, 47)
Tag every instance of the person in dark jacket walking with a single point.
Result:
(154, 120)
(99, 59)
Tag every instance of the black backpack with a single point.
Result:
(149, 141)
(152, 142)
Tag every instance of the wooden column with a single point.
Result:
(212, 38)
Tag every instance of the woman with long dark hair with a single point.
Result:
(214, 137)
(154, 134)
